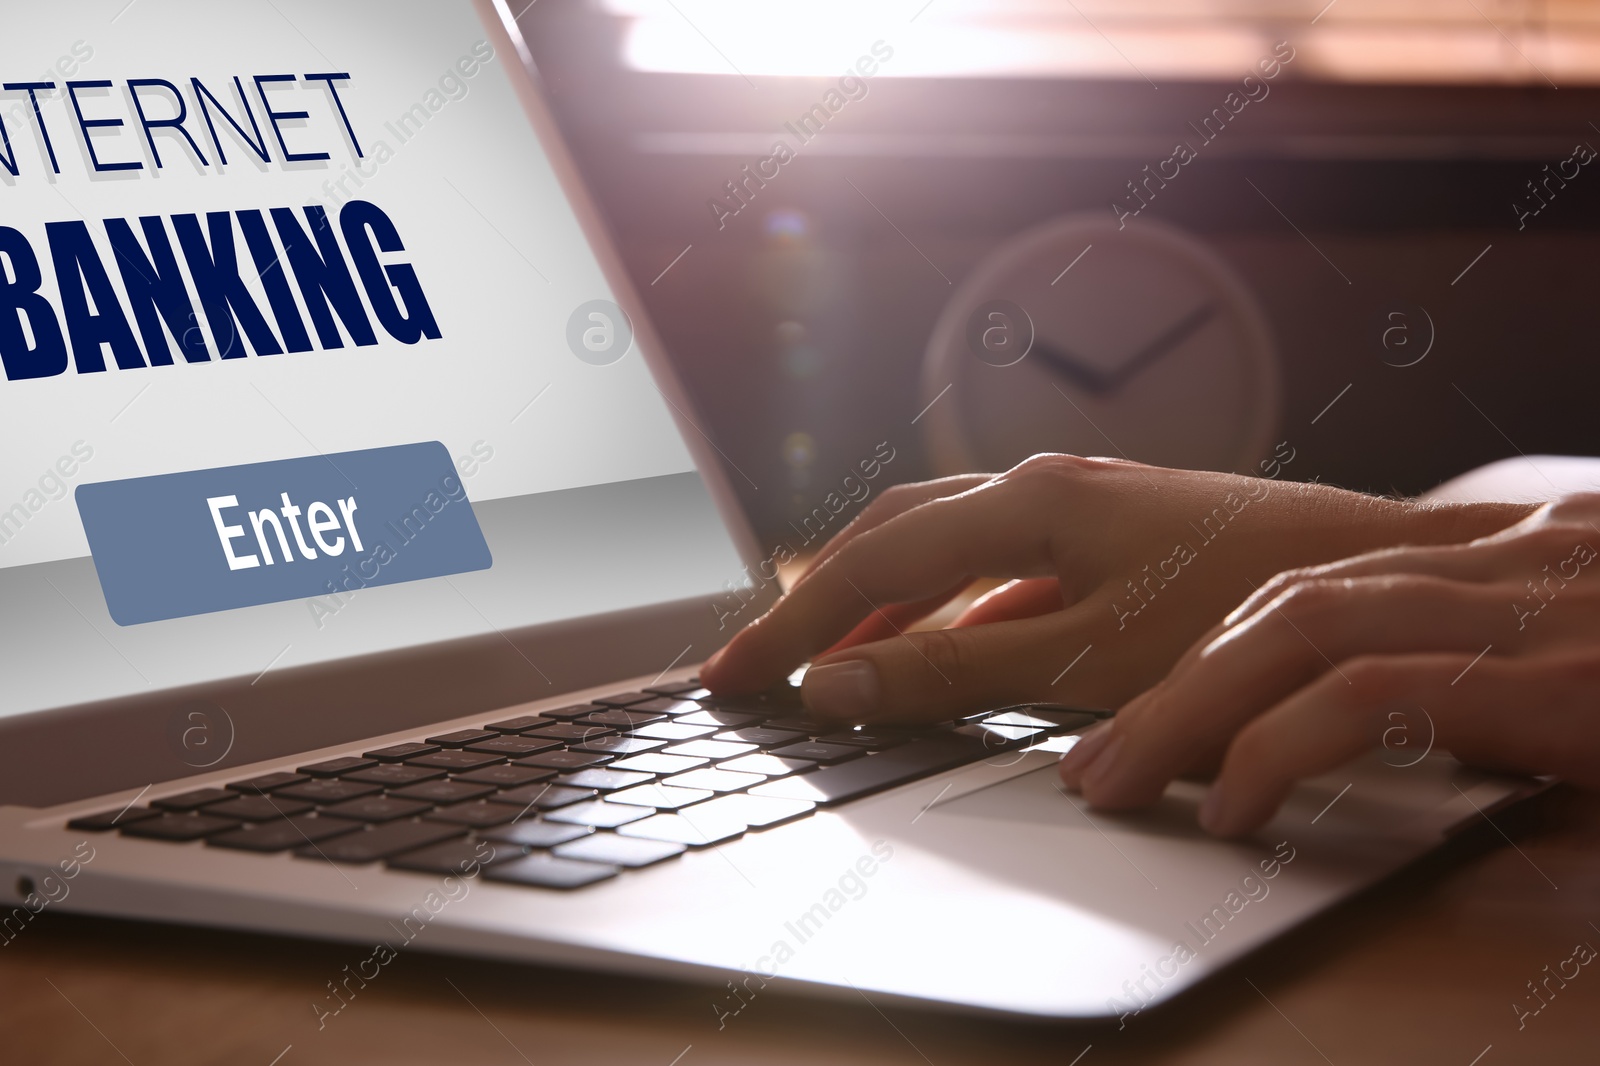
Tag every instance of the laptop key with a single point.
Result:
(599, 813)
(664, 705)
(818, 752)
(455, 760)
(576, 710)
(619, 851)
(283, 834)
(396, 752)
(377, 809)
(606, 780)
(513, 747)
(329, 790)
(661, 797)
(619, 746)
(720, 719)
(677, 688)
(335, 767)
(535, 834)
(192, 801)
(761, 737)
(619, 719)
(570, 731)
(461, 858)
(711, 749)
(672, 731)
(836, 784)
(689, 830)
(623, 699)
(546, 871)
(757, 812)
(656, 763)
(268, 782)
(257, 808)
(460, 738)
(716, 780)
(392, 775)
(1001, 737)
(478, 814)
(443, 791)
(544, 797)
(370, 845)
(562, 760)
(179, 828)
(1044, 718)
(802, 725)
(774, 701)
(105, 821)
(865, 738)
(770, 765)
(505, 776)
(520, 723)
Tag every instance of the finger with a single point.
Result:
(894, 618)
(1309, 631)
(1014, 599)
(1577, 508)
(1520, 553)
(940, 674)
(994, 530)
(1330, 722)
(894, 501)
(937, 674)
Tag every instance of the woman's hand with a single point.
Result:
(1497, 640)
(1121, 565)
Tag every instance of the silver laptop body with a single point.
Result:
(983, 887)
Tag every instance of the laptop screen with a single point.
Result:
(305, 354)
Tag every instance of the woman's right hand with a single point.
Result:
(1120, 567)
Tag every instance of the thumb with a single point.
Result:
(937, 674)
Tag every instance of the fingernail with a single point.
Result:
(841, 690)
(1081, 753)
(1213, 810)
(1104, 764)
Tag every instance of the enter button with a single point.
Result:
(212, 540)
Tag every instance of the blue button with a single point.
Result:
(211, 540)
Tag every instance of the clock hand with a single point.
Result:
(1179, 332)
(1098, 383)
(1070, 366)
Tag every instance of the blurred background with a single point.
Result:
(1420, 158)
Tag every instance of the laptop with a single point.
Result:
(358, 547)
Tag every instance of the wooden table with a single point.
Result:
(1424, 969)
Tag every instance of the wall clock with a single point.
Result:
(1080, 337)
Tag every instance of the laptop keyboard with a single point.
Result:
(576, 795)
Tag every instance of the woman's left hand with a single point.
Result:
(1497, 640)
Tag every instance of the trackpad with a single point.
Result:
(1038, 796)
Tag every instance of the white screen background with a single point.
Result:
(501, 257)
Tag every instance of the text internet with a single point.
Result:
(182, 279)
